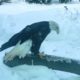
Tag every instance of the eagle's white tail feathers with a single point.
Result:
(19, 50)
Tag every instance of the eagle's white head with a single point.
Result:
(54, 26)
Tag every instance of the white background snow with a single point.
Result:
(15, 16)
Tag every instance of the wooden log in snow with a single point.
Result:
(53, 62)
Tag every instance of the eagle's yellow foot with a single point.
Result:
(41, 55)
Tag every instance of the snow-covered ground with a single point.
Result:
(14, 17)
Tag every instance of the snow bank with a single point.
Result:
(14, 17)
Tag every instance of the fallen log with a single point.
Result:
(53, 62)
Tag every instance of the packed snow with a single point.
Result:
(14, 17)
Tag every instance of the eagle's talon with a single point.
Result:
(41, 55)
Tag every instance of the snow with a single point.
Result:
(14, 17)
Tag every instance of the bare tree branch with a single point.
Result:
(53, 62)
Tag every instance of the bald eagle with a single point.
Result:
(36, 32)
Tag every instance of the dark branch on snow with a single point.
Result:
(56, 63)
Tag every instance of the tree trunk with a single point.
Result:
(53, 62)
